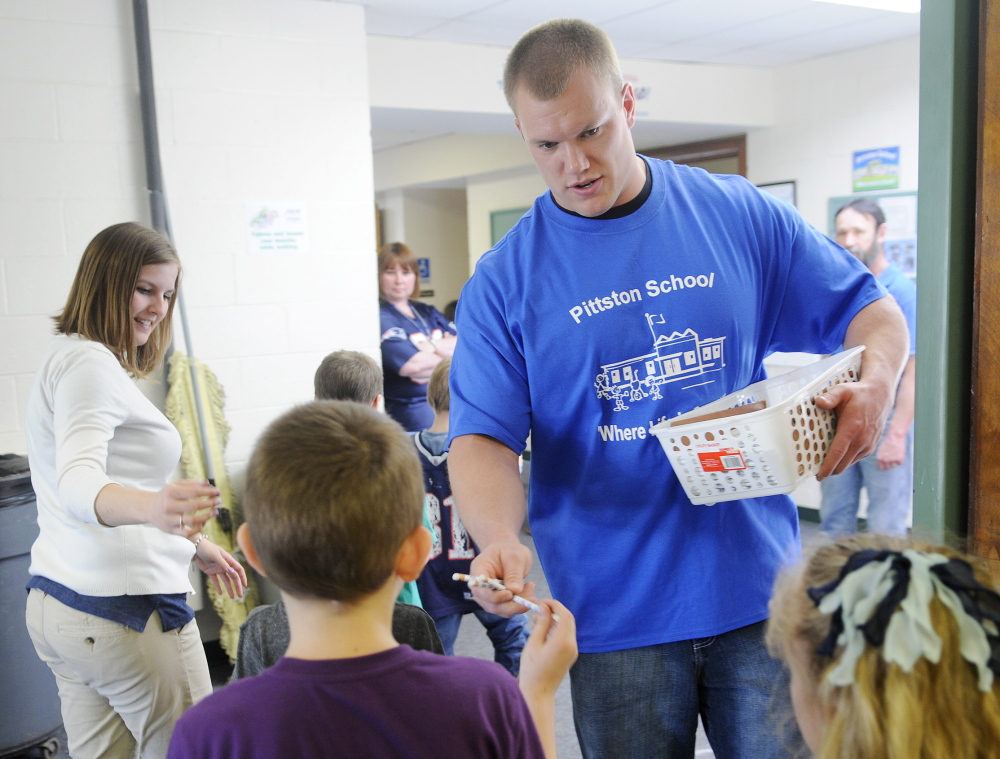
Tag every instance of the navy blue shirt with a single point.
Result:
(406, 400)
(131, 611)
(452, 550)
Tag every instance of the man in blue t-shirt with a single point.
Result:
(633, 291)
(888, 475)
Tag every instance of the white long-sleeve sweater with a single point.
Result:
(89, 425)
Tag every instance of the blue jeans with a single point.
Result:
(645, 702)
(890, 495)
(507, 635)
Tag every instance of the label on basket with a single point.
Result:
(726, 460)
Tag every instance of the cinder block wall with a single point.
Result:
(257, 101)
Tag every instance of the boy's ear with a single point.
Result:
(378, 404)
(246, 545)
(413, 554)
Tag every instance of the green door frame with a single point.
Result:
(949, 66)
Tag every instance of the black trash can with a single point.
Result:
(29, 701)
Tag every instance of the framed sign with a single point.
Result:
(783, 190)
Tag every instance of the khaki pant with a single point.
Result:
(121, 691)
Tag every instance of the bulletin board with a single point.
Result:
(502, 221)
(901, 217)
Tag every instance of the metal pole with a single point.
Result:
(157, 197)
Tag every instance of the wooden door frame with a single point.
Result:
(704, 150)
(984, 480)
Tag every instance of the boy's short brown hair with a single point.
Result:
(333, 490)
(348, 376)
(438, 395)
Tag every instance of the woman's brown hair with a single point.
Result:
(398, 254)
(99, 306)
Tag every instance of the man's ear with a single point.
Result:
(880, 233)
(246, 545)
(628, 103)
(518, 125)
(413, 554)
(377, 403)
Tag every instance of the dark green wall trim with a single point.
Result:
(949, 65)
(808, 515)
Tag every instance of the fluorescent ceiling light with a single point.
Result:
(901, 6)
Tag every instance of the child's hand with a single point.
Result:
(549, 652)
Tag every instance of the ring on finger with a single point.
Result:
(182, 521)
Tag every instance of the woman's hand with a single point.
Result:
(183, 507)
(179, 508)
(221, 567)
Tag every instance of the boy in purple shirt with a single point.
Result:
(333, 516)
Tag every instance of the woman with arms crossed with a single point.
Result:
(106, 603)
(415, 337)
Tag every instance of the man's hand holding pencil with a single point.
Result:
(510, 560)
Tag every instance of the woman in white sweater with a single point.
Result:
(106, 602)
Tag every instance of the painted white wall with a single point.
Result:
(447, 76)
(257, 101)
(489, 195)
(447, 158)
(828, 108)
(391, 207)
(436, 229)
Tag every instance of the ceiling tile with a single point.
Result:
(798, 23)
(435, 8)
(849, 36)
(473, 33)
(529, 13)
(685, 19)
(398, 24)
(745, 32)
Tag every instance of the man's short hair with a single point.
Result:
(547, 56)
(333, 490)
(865, 206)
(348, 376)
(438, 395)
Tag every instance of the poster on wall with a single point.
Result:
(276, 228)
(900, 209)
(876, 169)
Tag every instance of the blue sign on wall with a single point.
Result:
(876, 169)
(424, 264)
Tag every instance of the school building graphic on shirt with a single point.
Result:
(676, 356)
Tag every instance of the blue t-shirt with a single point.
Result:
(904, 290)
(452, 550)
(586, 332)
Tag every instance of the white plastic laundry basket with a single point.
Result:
(763, 452)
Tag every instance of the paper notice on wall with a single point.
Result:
(876, 169)
(276, 228)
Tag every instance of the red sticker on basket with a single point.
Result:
(726, 460)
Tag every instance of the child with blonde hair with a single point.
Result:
(893, 649)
